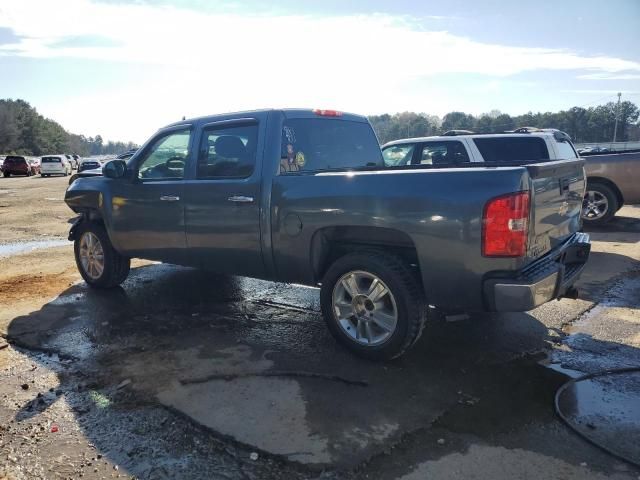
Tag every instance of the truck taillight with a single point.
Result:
(505, 226)
(327, 113)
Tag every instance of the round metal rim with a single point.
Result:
(594, 205)
(91, 255)
(364, 308)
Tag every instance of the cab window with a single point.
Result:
(565, 150)
(166, 157)
(228, 152)
(509, 149)
(398, 155)
(310, 144)
(443, 153)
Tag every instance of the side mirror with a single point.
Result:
(115, 169)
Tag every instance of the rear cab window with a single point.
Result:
(317, 144)
(512, 149)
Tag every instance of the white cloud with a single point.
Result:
(610, 76)
(221, 62)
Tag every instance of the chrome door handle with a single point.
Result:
(169, 198)
(240, 199)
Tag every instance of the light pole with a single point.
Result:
(615, 128)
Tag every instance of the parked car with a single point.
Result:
(454, 150)
(55, 165)
(612, 181)
(305, 197)
(89, 164)
(593, 150)
(72, 161)
(18, 165)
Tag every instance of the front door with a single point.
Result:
(148, 210)
(222, 202)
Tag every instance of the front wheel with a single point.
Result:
(373, 304)
(100, 265)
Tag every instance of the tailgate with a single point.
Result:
(557, 189)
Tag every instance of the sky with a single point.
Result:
(123, 69)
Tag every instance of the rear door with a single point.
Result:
(222, 198)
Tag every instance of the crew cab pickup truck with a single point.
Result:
(459, 148)
(305, 197)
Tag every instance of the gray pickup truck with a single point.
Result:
(304, 197)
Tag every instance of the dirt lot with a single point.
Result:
(181, 374)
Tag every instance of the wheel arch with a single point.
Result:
(330, 243)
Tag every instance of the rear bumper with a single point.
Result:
(548, 278)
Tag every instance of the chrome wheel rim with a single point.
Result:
(364, 308)
(594, 205)
(91, 255)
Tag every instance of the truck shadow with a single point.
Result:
(619, 230)
(253, 363)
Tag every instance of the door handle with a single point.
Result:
(169, 198)
(240, 199)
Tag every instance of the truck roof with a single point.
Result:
(287, 112)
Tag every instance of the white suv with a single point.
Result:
(459, 148)
(55, 165)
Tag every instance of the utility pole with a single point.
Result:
(615, 128)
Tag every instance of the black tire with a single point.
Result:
(116, 266)
(6, 174)
(411, 305)
(612, 204)
(44, 175)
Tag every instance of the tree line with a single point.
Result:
(584, 125)
(23, 131)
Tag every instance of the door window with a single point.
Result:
(443, 153)
(166, 157)
(397, 155)
(228, 152)
(565, 150)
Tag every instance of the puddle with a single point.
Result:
(9, 249)
(606, 410)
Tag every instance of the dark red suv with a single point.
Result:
(17, 165)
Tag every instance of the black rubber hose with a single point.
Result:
(589, 376)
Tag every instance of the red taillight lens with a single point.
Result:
(506, 226)
(327, 113)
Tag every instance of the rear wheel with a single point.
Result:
(373, 304)
(98, 262)
(599, 205)
(6, 174)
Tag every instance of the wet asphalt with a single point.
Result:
(220, 365)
